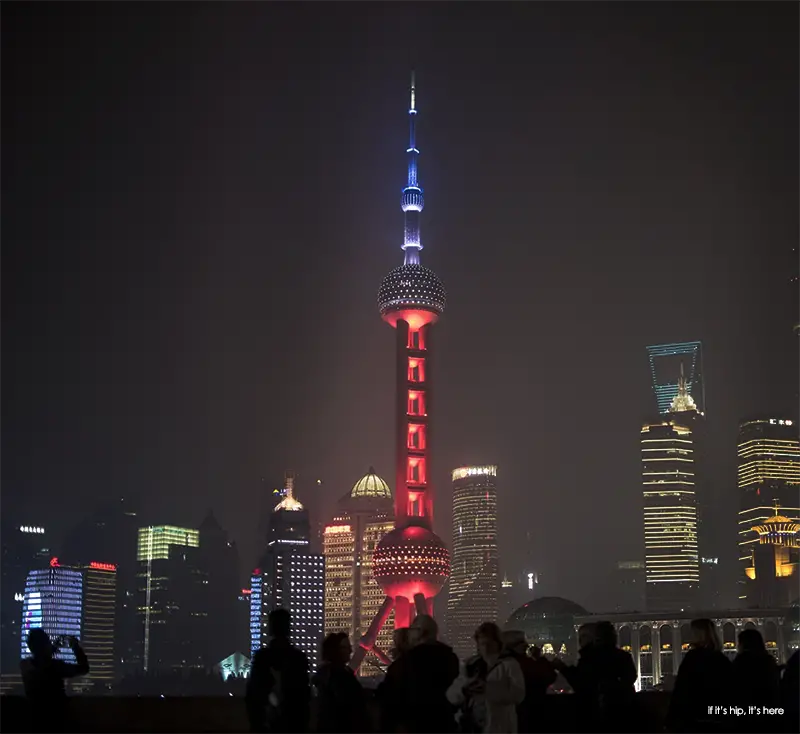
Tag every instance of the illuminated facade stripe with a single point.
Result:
(672, 563)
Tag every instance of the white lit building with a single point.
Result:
(291, 577)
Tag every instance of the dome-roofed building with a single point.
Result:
(370, 486)
(549, 622)
(352, 597)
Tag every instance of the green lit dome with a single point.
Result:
(371, 486)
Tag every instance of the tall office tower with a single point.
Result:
(473, 578)
(411, 563)
(506, 599)
(775, 562)
(99, 612)
(672, 563)
(666, 364)
(110, 532)
(169, 597)
(289, 576)
(352, 596)
(218, 557)
(53, 601)
(769, 475)
(24, 547)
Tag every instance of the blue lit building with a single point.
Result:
(666, 361)
(53, 601)
(289, 576)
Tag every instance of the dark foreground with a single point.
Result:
(227, 714)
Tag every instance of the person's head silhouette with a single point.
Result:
(279, 623)
(39, 644)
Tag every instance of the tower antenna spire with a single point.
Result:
(413, 201)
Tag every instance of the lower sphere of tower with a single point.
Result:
(410, 561)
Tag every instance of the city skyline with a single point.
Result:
(176, 357)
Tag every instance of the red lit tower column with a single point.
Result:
(411, 563)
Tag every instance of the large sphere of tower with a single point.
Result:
(412, 287)
(409, 561)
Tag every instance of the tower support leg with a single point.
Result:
(402, 613)
(420, 604)
(367, 642)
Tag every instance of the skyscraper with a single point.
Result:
(474, 579)
(53, 601)
(672, 563)
(352, 596)
(99, 613)
(289, 576)
(666, 362)
(769, 476)
(411, 563)
(25, 547)
(168, 596)
(775, 560)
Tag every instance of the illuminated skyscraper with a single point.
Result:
(24, 547)
(666, 363)
(352, 596)
(53, 601)
(99, 612)
(411, 563)
(769, 475)
(474, 582)
(291, 577)
(775, 563)
(672, 563)
(168, 564)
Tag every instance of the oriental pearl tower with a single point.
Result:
(411, 563)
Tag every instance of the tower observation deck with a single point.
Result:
(411, 563)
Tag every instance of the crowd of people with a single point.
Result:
(499, 690)
(502, 688)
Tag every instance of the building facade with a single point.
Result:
(474, 582)
(774, 570)
(659, 643)
(352, 596)
(24, 548)
(672, 562)
(53, 601)
(99, 618)
(289, 576)
(169, 597)
(769, 476)
(666, 363)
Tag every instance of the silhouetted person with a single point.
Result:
(584, 708)
(790, 699)
(389, 693)
(539, 675)
(342, 706)
(278, 692)
(43, 678)
(428, 669)
(703, 682)
(495, 688)
(604, 680)
(756, 678)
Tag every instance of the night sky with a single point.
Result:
(200, 202)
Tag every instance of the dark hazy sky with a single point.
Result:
(200, 201)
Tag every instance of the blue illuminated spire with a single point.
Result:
(413, 201)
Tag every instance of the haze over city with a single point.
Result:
(202, 199)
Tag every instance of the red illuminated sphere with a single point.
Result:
(410, 561)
